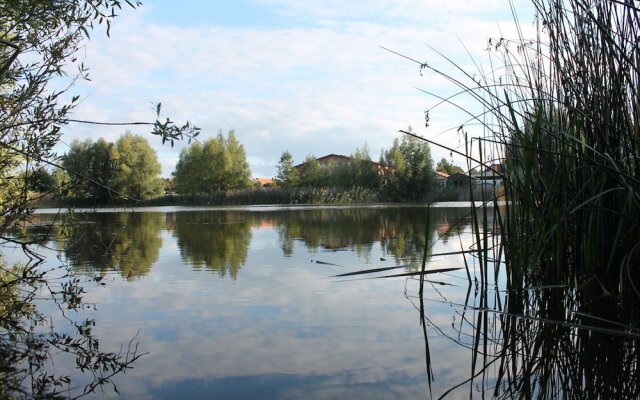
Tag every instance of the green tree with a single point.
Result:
(91, 167)
(447, 167)
(215, 165)
(238, 174)
(186, 175)
(408, 169)
(62, 182)
(364, 172)
(312, 173)
(287, 174)
(137, 168)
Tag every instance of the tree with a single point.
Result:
(447, 167)
(186, 175)
(137, 169)
(239, 173)
(408, 169)
(215, 165)
(91, 168)
(312, 173)
(364, 172)
(287, 174)
(41, 182)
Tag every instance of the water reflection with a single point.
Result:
(125, 242)
(550, 336)
(216, 241)
(400, 231)
(565, 343)
(282, 327)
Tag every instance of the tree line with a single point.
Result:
(102, 171)
(403, 173)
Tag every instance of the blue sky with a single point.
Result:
(305, 76)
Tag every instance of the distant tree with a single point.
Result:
(312, 173)
(340, 174)
(62, 182)
(217, 164)
(186, 175)
(394, 166)
(239, 173)
(447, 167)
(363, 172)
(287, 175)
(169, 184)
(408, 169)
(214, 164)
(91, 169)
(136, 168)
(39, 180)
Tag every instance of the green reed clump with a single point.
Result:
(561, 113)
(571, 144)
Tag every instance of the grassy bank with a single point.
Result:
(355, 195)
(275, 195)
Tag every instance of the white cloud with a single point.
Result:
(316, 89)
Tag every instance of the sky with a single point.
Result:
(312, 77)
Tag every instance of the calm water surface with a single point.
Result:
(245, 303)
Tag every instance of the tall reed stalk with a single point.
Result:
(562, 114)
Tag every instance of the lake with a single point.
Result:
(248, 303)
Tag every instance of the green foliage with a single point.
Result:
(355, 171)
(91, 168)
(217, 164)
(287, 175)
(62, 182)
(216, 241)
(238, 171)
(407, 170)
(312, 173)
(102, 171)
(363, 172)
(12, 186)
(448, 167)
(137, 168)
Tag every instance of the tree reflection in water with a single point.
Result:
(533, 339)
(217, 241)
(48, 348)
(399, 230)
(127, 242)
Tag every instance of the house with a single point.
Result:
(264, 181)
(441, 178)
(461, 181)
(338, 159)
(492, 175)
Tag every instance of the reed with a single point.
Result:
(562, 114)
